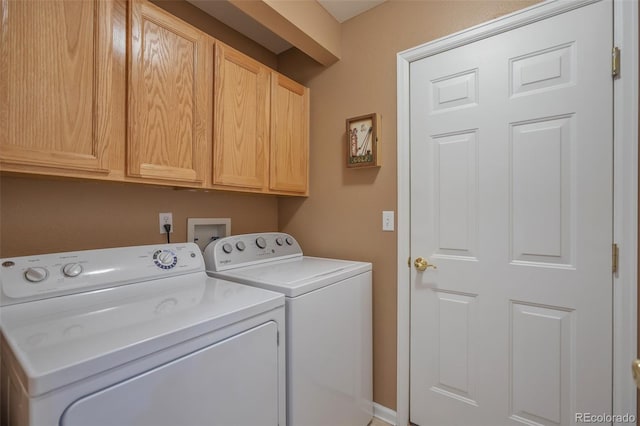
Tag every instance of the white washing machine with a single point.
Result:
(329, 329)
(137, 336)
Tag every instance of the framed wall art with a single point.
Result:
(362, 141)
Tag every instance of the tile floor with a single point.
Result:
(377, 422)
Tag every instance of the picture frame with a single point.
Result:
(362, 141)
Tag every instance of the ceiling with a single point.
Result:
(225, 12)
(344, 10)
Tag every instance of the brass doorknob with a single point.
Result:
(635, 367)
(421, 264)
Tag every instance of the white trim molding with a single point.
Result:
(404, 242)
(625, 205)
(625, 186)
(385, 414)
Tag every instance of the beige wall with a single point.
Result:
(342, 217)
(44, 216)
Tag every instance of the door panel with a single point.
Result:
(511, 198)
(541, 380)
(455, 173)
(541, 191)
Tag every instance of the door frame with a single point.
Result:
(625, 197)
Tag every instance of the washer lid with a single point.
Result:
(297, 276)
(61, 340)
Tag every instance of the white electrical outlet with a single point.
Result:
(388, 221)
(166, 218)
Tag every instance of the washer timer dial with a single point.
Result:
(165, 259)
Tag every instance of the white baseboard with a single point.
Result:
(384, 414)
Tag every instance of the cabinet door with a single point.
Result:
(55, 84)
(241, 120)
(289, 136)
(167, 96)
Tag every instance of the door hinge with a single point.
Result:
(615, 62)
(278, 337)
(614, 258)
(409, 262)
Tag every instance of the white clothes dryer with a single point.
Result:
(329, 326)
(137, 336)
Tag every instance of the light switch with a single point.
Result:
(388, 221)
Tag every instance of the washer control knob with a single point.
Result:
(72, 270)
(227, 248)
(165, 259)
(289, 241)
(36, 274)
(261, 242)
(279, 241)
(240, 246)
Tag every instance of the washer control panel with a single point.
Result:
(248, 249)
(38, 277)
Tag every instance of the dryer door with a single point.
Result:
(232, 382)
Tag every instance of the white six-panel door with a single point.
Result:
(511, 199)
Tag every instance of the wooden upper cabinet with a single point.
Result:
(176, 111)
(289, 168)
(168, 120)
(241, 120)
(55, 84)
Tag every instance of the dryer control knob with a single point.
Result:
(279, 241)
(240, 246)
(36, 274)
(72, 270)
(261, 242)
(289, 241)
(227, 248)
